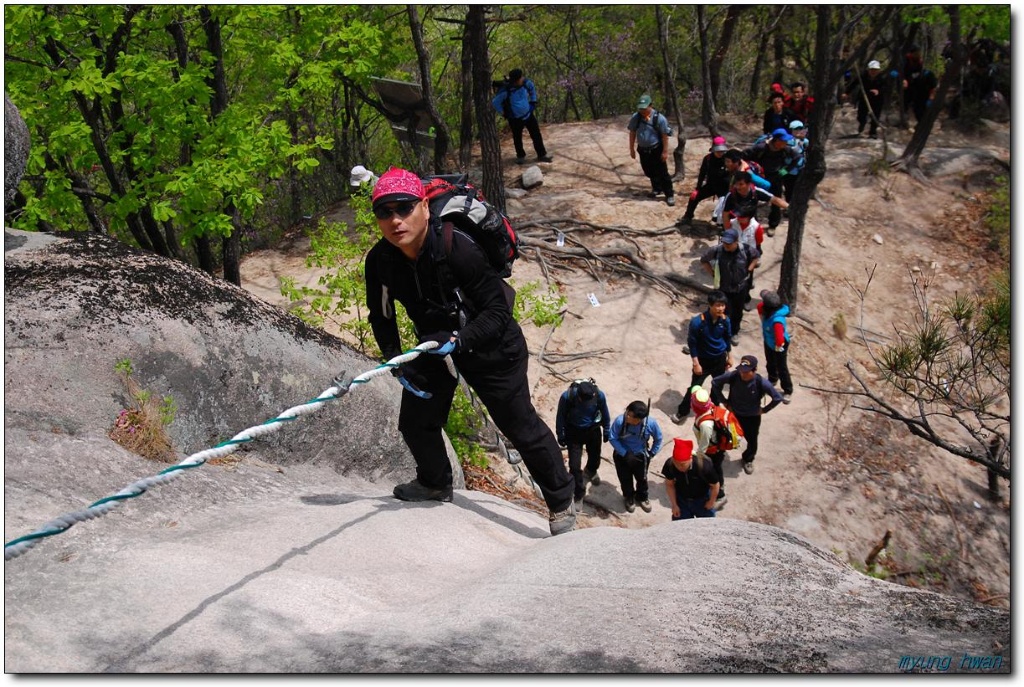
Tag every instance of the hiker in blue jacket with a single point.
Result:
(582, 422)
(708, 338)
(517, 101)
(636, 438)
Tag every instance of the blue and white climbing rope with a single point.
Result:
(16, 547)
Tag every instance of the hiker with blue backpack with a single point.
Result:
(775, 328)
(456, 298)
(517, 101)
(582, 422)
(636, 438)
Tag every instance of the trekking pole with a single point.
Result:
(16, 547)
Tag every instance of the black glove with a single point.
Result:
(606, 435)
(411, 380)
(561, 442)
(444, 342)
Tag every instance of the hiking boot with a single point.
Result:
(721, 501)
(543, 158)
(591, 477)
(520, 160)
(685, 222)
(563, 521)
(686, 350)
(579, 504)
(646, 505)
(677, 418)
(735, 341)
(748, 306)
(670, 201)
(653, 194)
(748, 467)
(629, 504)
(787, 398)
(414, 491)
(770, 231)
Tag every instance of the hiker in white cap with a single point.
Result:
(875, 86)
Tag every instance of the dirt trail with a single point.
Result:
(844, 499)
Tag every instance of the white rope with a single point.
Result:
(18, 546)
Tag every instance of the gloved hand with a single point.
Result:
(411, 380)
(444, 343)
(693, 194)
(783, 172)
(561, 442)
(606, 436)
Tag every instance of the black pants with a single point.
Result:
(751, 425)
(734, 305)
(631, 474)
(517, 135)
(500, 380)
(788, 184)
(778, 367)
(710, 366)
(717, 461)
(704, 192)
(656, 170)
(863, 117)
(576, 440)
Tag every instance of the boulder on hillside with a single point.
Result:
(77, 305)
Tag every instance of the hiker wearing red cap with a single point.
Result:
(471, 320)
(712, 179)
(690, 483)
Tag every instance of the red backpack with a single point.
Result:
(727, 433)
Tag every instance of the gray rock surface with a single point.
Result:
(16, 147)
(296, 558)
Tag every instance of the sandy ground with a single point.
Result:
(829, 472)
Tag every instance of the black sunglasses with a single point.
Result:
(403, 210)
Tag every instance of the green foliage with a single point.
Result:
(463, 429)
(997, 218)
(540, 308)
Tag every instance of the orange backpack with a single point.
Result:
(727, 429)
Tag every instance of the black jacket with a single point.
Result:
(486, 300)
(713, 174)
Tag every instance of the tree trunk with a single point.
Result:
(466, 128)
(732, 14)
(709, 115)
(671, 95)
(490, 147)
(828, 71)
(231, 249)
(779, 53)
(441, 135)
(909, 160)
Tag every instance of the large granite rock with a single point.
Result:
(298, 559)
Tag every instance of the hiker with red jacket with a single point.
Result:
(746, 390)
(689, 483)
(798, 102)
(708, 339)
(465, 307)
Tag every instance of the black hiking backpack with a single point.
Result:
(461, 206)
